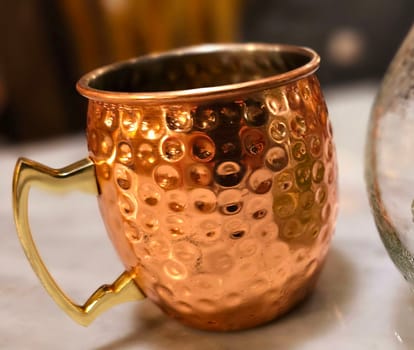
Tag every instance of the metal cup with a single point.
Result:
(216, 178)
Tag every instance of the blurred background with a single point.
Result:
(46, 45)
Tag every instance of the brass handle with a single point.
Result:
(81, 176)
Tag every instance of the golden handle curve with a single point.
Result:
(77, 176)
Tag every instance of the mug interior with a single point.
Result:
(200, 68)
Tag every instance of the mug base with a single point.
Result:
(246, 315)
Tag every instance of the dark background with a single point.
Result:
(46, 45)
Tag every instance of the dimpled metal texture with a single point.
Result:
(224, 205)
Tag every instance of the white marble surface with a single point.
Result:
(361, 301)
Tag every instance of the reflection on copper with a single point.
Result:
(224, 188)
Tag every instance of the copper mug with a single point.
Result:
(215, 173)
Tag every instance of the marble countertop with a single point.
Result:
(361, 301)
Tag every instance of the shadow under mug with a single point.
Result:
(215, 173)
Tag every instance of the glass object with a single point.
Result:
(389, 162)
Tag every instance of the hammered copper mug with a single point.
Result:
(215, 173)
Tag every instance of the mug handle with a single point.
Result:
(77, 176)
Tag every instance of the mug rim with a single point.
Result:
(203, 93)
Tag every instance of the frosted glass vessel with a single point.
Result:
(389, 165)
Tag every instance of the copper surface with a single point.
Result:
(217, 176)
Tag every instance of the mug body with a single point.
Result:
(217, 177)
